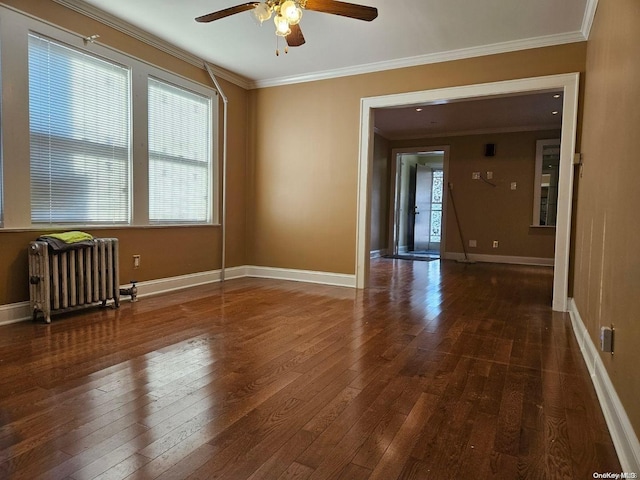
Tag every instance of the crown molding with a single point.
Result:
(589, 15)
(496, 48)
(145, 37)
(243, 82)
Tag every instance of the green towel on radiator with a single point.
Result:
(60, 242)
(71, 237)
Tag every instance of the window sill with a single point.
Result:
(48, 228)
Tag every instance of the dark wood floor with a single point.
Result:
(439, 370)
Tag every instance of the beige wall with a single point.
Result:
(304, 186)
(607, 257)
(489, 213)
(165, 252)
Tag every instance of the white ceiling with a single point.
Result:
(406, 32)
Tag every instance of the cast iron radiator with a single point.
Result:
(73, 278)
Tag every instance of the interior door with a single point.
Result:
(422, 226)
(411, 208)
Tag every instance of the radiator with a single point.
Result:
(60, 281)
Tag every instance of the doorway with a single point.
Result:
(568, 83)
(418, 207)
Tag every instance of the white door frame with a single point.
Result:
(569, 83)
(394, 189)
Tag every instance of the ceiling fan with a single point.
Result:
(287, 14)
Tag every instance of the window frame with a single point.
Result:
(210, 164)
(16, 213)
(57, 138)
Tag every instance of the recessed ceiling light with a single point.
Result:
(557, 95)
(418, 109)
(555, 112)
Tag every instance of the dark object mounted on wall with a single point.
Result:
(490, 150)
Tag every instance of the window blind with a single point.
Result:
(180, 181)
(79, 119)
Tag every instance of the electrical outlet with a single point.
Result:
(475, 176)
(136, 261)
(495, 244)
(473, 243)
(514, 185)
(489, 175)
(606, 339)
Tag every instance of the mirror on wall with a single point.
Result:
(545, 199)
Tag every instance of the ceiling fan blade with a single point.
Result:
(344, 9)
(210, 17)
(295, 38)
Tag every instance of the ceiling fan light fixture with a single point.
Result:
(262, 12)
(291, 11)
(288, 13)
(282, 25)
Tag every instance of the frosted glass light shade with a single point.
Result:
(291, 11)
(262, 12)
(282, 26)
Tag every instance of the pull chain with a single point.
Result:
(286, 48)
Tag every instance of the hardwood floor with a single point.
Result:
(439, 370)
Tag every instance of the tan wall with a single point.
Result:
(489, 213)
(165, 252)
(304, 183)
(380, 194)
(607, 257)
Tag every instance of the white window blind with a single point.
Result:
(179, 155)
(79, 117)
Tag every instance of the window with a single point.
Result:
(545, 193)
(180, 173)
(79, 122)
(76, 108)
(437, 183)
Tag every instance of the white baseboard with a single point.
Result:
(377, 253)
(163, 285)
(17, 312)
(14, 312)
(235, 272)
(624, 437)
(170, 284)
(308, 276)
(477, 257)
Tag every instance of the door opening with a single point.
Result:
(418, 209)
(419, 204)
(568, 83)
